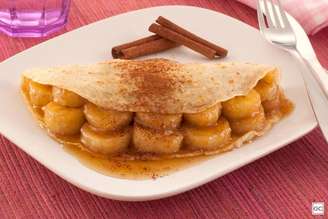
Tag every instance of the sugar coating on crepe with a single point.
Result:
(156, 85)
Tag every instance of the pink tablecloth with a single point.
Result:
(311, 14)
(281, 185)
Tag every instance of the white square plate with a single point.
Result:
(92, 43)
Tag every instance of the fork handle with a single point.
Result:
(316, 81)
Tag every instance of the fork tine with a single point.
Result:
(284, 18)
(260, 16)
(267, 14)
(275, 15)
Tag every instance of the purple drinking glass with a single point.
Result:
(32, 18)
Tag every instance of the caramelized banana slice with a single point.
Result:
(255, 122)
(107, 143)
(105, 119)
(242, 106)
(40, 94)
(159, 121)
(208, 117)
(274, 104)
(267, 91)
(271, 77)
(154, 141)
(66, 98)
(207, 138)
(63, 120)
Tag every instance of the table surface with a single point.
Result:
(280, 185)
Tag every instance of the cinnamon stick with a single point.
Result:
(172, 26)
(141, 47)
(181, 39)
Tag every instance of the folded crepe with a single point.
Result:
(157, 108)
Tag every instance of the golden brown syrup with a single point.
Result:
(133, 169)
(286, 106)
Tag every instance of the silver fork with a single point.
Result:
(279, 32)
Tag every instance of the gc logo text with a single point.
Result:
(318, 208)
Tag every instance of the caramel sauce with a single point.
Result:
(286, 106)
(132, 169)
(136, 169)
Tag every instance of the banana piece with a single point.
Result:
(271, 77)
(154, 141)
(255, 122)
(40, 95)
(208, 117)
(158, 121)
(207, 138)
(66, 98)
(266, 90)
(107, 143)
(63, 120)
(105, 119)
(242, 106)
(271, 105)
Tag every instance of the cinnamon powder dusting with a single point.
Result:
(154, 80)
